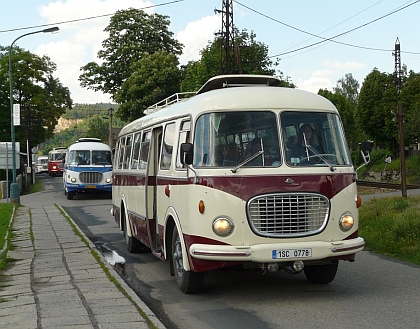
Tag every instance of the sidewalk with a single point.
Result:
(54, 280)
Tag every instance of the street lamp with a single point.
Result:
(14, 187)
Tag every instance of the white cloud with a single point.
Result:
(327, 77)
(196, 36)
(78, 42)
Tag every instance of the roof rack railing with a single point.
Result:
(175, 98)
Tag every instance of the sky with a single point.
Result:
(314, 42)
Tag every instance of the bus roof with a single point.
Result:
(58, 150)
(232, 99)
(238, 80)
(88, 139)
(96, 146)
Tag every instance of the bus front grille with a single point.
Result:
(288, 214)
(90, 177)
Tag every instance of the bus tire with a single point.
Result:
(133, 245)
(70, 195)
(321, 274)
(189, 282)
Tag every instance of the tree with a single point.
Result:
(42, 97)
(410, 99)
(133, 34)
(98, 128)
(349, 88)
(378, 97)
(347, 116)
(253, 60)
(155, 77)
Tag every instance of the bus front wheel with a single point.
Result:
(321, 274)
(133, 245)
(188, 281)
(70, 195)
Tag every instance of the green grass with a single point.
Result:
(37, 187)
(6, 210)
(391, 227)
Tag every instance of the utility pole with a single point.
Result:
(111, 111)
(400, 118)
(227, 63)
(29, 137)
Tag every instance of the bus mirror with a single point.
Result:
(186, 153)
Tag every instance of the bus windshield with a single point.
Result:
(83, 157)
(251, 139)
(313, 138)
(227, 139)
(57, 156)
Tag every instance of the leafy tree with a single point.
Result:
(42, 97)
(133, 34)
(347, 116)
(253, 60)
(98, 128)
(410, 99)
(378, 97)
(155, 77)
(349, 88)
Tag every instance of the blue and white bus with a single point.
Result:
(88, 167)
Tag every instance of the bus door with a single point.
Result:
(151, 186)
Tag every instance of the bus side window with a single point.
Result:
(168, 146)
(127, 152)
(121, 153)
(136, 151)
(184, 137)
(144, 150)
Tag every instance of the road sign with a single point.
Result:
(6, 160)
(16, 114)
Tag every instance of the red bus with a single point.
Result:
(55, 161)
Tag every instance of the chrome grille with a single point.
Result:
(90, 177)
(288, 215)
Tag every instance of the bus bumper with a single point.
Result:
(88, 187)
(277, 252)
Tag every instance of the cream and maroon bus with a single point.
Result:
(244, 172)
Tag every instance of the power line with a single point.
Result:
(330, 28)
(334, 37)
(86, 18)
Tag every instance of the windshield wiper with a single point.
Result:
(252, 157)
(317, 154)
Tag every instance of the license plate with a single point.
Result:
(90, 186)
(292, 253)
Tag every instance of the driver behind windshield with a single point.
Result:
(306, 148)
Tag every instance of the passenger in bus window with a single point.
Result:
(253, 147)
(80, 160)
(291, 140)
(229, 155)
(306, 148)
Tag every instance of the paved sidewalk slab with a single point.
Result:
(54, 281)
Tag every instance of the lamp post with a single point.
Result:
(14, 187)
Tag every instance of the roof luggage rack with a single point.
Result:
(218, 82)
(238, 80)
(175, 98)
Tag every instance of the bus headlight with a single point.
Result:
(108, 180)
(223, 226)
(73, 180)
(346, 222)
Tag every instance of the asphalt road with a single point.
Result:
(373, 292)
